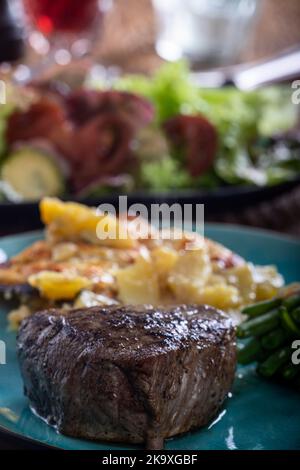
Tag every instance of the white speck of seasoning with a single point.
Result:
(230, 440)
(223, 413)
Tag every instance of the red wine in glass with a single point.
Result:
(52, 17)
(61, 32)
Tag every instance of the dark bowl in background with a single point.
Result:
(20, 217)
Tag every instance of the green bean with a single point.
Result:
(290, 371)
(274, 339)
(260, 308)
(274, 362)
(288, 322)
(249, 352)
(291, 302)
(260, 325)
(296, 315)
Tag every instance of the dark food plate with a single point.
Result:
(25, 216)
(258, 415)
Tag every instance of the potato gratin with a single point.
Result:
(73, 267)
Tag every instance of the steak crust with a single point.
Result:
(127, 374)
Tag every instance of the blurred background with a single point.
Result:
(137, 35)
(131, 29)
(44, 40)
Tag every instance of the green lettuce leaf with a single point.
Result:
(241, 118)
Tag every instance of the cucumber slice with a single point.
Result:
(32, 174)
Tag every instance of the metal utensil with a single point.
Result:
(277, 69)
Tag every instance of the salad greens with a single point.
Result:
(5, 111)
(241, 119)
(253, 146)
(164, 175)
(16, 97)
(170, 89)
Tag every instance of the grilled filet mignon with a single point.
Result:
(127, 374)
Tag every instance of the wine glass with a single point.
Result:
(62, 31)
(206, 32)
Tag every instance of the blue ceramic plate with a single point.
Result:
(259, 415)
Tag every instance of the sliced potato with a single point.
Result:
(189, 274)
(242, 277)
(73, 221)
(139, 284)
(57, 285)
(88, 299)
(165, 259)
(64, 251)
(220, 296)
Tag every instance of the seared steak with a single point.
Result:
(130, 374)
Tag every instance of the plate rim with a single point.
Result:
(266, 233)
(228, 189)
(22, 437)
(245, 229)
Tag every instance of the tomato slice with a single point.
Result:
(197, 137)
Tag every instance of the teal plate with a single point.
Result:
(259, 415)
